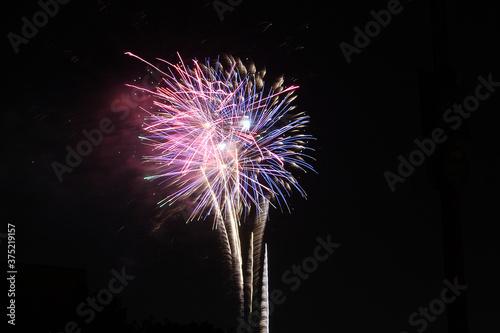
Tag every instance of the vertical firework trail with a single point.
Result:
(264, 320)
(222, 139)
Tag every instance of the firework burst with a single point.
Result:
(224, 140)
(219, 136)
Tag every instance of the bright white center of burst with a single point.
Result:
(221, 146)
(245, 124)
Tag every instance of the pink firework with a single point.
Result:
(224, 141)
(219, 137)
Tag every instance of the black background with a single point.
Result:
(363, 114)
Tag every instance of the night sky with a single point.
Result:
(66, 77)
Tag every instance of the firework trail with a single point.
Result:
(221, 138)
(264, 321)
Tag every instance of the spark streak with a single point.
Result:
(264, 319)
